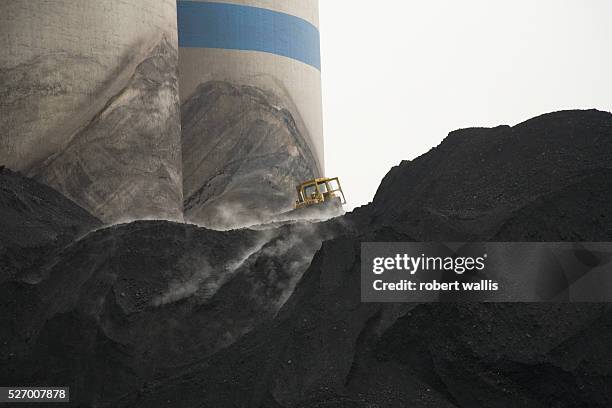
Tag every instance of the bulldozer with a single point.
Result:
(317, 199)
(327, 191)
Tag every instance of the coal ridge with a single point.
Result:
(310, 342)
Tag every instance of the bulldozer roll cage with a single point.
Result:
(319, 190)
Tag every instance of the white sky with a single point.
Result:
(398, 75)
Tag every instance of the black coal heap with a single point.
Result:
(152, 314)
(35, 220)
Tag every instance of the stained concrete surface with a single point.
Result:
(243, 155)
(252, 126)
(125, 163)
(72, 71)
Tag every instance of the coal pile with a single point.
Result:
(477, 179)
(125, 306)
(34, 219)
(153, 314)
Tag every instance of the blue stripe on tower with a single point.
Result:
(237, 27)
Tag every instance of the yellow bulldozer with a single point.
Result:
(320, 191)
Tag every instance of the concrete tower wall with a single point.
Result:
(90, 102)
(250, 87)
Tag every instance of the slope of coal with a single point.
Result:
(34, 220)
(471, 183)
(327, 349)
(583, 207)
(126, 317)
(132, 304)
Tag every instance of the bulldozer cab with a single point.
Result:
(318, 191)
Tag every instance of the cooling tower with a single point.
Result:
(250, 87)
(90, 102)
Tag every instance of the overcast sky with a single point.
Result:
(398, 75)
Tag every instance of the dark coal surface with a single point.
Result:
(135, 304)
(35, 219)
(126, 316)
(470, 184)
(327, 349)
(583, 207)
